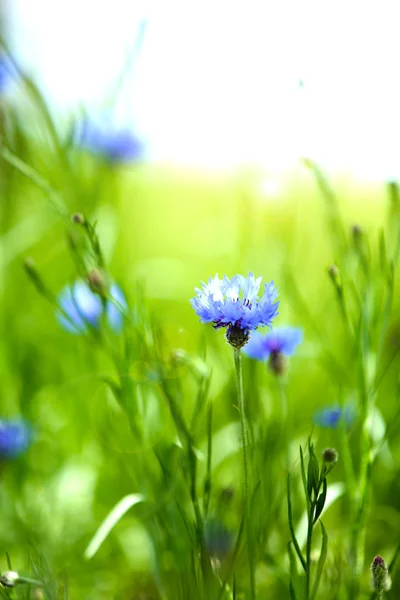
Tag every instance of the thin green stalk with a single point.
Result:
(357, 543)
(308, 549)
(239, 383)
(183, 430)
(208, 479)
(286, 421)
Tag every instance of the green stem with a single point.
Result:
(239, 383)
(308, 550)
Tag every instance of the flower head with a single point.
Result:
(82, 308)
(234, 303)
(15, 437)
(331, 417)
(117, 144)
(282, 340)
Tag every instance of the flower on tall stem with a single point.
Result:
(274, 347)
(235, 304)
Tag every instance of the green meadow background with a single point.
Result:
(164, 229)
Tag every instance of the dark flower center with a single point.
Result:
(236, 336)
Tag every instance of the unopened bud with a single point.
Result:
(9, 578)
(97, 280)
(330, 456)
(227, 495)
(333, 272)
(30, 263)
(33, 273)
(380, 575)
(78, 218)
(356, 232)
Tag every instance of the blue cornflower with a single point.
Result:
(218, 539)
(282, 340)
(234, 303)
(5, 74)
(331, 416)
(117, 144)
(15, 437)
(85, 308)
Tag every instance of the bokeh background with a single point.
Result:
(224, 102)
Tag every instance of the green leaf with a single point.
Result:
(303, 472)
(321, 501)
(313, 473)
(293, 571)
(291, 527)
(321, 561)
(110, 521)
(382, 251)
(334, 491)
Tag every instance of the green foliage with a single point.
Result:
(150, 419)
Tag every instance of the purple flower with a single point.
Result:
(234, 303)
(15, 437)
(85, 308)
(117, 144)
(331, 416)
(282, 340)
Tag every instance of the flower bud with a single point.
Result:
(333, 272)
(30, 263)
(227, 494)
(330, 456)
(97, 280)
(9, 578)
(34, 275)
(356, 232)
(78, 218)
(380, 575)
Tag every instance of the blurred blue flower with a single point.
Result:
(5, 74)
(282, 340)
(234, 303)
(331, 416)
(85, 308)
(117, 144)
(218, 539)
(15, 437)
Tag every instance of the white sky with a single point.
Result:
(217, 82)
